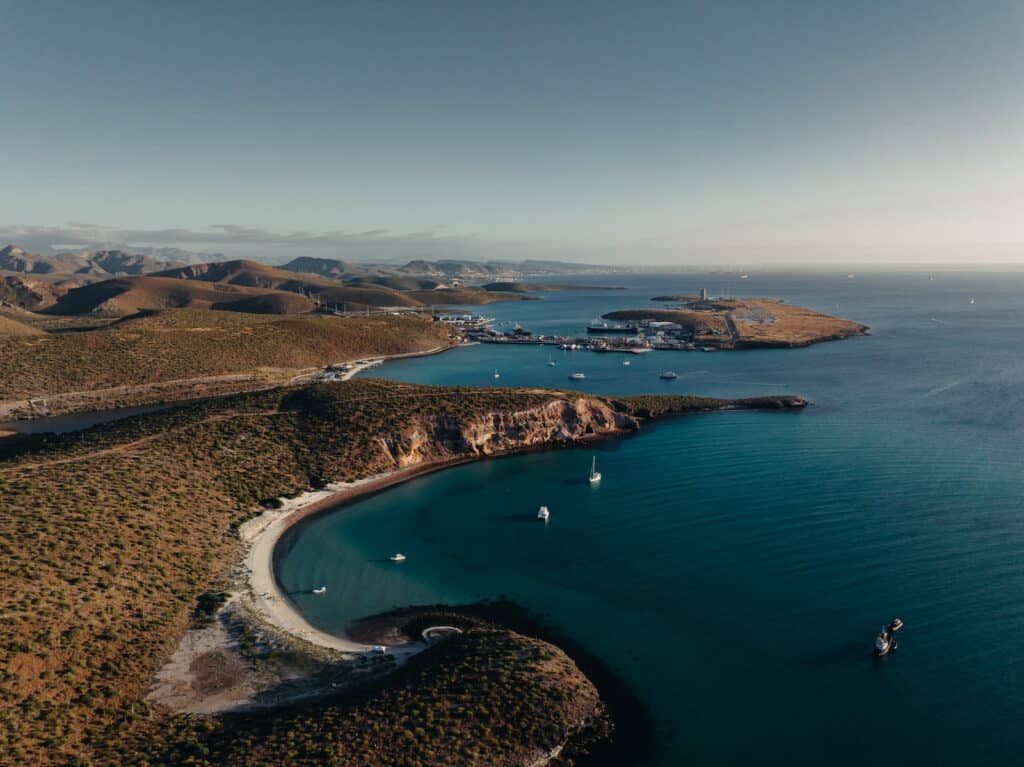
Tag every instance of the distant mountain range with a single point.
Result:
(119, 283)
(101, 263)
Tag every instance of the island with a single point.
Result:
(143, 624)
(739, 323)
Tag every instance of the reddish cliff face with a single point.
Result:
(554, 422)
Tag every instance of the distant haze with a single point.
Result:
(661, 133)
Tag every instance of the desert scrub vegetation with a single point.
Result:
(109, 536)
(487, 697)
(114, 540)
(178, 344)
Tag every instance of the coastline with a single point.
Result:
(262, 534)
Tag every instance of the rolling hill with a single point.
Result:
(102, 263)
(129, 295)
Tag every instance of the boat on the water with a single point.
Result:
(885, 640)
(496, 373)
(399, 557)
(597, 326)
(669, 375)
(543, 513)
(551, 362)
(595, 475)
(625, 363)
(577, 376)
(320, 590)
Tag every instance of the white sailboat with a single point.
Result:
(543, 513)
(496, 373)
(551, 362)
(595, 475)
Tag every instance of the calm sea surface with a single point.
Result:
(734, 567)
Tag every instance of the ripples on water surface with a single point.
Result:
(733, 567)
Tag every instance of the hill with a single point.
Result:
(102, 263)
(115, 538)
(31, 292)
(254, 274)
(463, 296)
(324, 267)
(128, 295)
(12, 327)
(746, 323)
(183, 353)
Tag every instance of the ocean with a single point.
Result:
(733, 568)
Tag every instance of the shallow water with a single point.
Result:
(734, 567)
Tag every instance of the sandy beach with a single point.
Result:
(263, 533)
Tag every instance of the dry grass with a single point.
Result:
(749, 322)
(107, 538)
(179, 344)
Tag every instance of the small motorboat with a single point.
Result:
(669, 375)
(543, 513)
(577, 376)
(398, 557)
(320, 590)
(595, 475)
(883, 643)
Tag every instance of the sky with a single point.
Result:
(769, 131)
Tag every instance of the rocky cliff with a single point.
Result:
(556, 421)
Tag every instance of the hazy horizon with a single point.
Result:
(664, 134)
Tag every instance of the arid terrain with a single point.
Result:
(117, 539)
(746, 323)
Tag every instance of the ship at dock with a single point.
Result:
(596, 327)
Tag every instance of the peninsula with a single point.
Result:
(744, 323)
(129, 600)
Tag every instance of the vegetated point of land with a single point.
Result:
(746, 323)
(110, 537)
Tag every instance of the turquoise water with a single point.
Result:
(734, 567)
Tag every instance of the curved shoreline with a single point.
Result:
(263, 534)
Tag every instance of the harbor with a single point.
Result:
(628, 337)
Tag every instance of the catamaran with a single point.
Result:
(595, 475)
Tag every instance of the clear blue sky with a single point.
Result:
(659, 131)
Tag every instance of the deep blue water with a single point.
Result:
(734, 567)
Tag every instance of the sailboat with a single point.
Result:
(551, 362)
(595, 475)
(496, 373)
(625, 363)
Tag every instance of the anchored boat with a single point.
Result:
(543, 513)
(595, 475)
(398, 557)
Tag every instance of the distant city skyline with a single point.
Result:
(649, 133)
